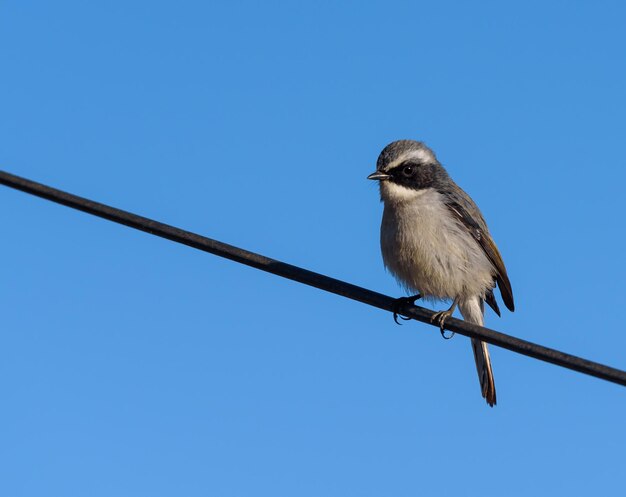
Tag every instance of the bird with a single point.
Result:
(435, 241)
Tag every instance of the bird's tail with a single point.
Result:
(485, 373)
(473, 313)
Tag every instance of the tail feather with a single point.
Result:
(485, 373)
(472, 311)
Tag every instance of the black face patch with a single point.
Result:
(412, 174)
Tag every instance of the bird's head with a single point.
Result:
(405, 168)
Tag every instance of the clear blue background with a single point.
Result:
(132, 366)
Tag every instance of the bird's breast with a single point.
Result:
(426, 248)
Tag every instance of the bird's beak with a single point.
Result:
(379, 176)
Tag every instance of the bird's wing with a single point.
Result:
(462, 206)
(491, 300)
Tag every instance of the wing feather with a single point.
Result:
(462, 206)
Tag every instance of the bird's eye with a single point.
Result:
(408, 171)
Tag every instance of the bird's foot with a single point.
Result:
(440, 319)
(400, 303)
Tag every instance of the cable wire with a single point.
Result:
(311, 278)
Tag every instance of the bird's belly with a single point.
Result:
(429, 252)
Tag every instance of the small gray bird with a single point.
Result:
(435, 241)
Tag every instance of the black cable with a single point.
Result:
(310, 278)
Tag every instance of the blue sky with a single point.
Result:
(132, 366)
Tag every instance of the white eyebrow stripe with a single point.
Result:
(420, 154)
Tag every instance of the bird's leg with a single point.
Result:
(441, 316)
(401, 302)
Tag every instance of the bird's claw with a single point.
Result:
(401, 302)
(440, 318)
(396, 316)
(443, 335)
